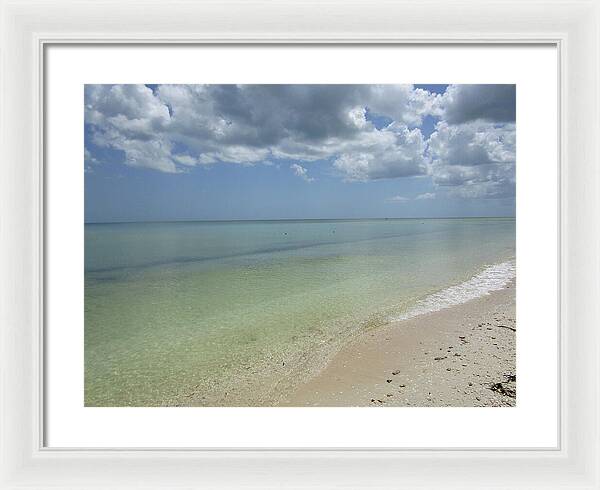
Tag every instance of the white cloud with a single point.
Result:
(358, 117)
(473, 160)
(130, 119)
(471, 153)
(395, 151)
(402, 103)
(472, 144)
(186, 125)
(301, 172)
(185, 160)
(398, 199)
(88, 161)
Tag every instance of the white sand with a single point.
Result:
(452, 357)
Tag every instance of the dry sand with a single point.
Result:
(461, 356)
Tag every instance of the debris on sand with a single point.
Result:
(506, 326)
(503, 390)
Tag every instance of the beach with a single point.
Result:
(313, 244)
(259, 313)
(463, 355)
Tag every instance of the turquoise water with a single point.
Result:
(234, 313)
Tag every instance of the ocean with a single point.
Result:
(236, 313)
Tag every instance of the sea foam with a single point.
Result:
(492, 278)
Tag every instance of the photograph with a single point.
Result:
(300, 245)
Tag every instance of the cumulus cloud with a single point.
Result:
(473, 144)
(473, 160)
(248, 124)
(301, 172)
(402, 103)
(88, 161)
(465, 103)
(395, 151)
(425, 196)
(172, 128)
(130, 119)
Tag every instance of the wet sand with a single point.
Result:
(460, 356)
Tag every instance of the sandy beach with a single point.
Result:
(464, 355)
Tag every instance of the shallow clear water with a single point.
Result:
(231, 313)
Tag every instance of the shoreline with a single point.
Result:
(389, 363)
(460, 356)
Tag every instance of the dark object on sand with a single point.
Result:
(503, 390)
(506, 326)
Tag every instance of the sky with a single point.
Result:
(227, 152)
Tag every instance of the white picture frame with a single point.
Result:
(26, 28)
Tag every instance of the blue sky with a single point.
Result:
(193, 152)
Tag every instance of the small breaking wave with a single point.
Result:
(492, 278)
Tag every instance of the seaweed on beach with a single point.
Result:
(503, 389)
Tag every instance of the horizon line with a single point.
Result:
(289, 219)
